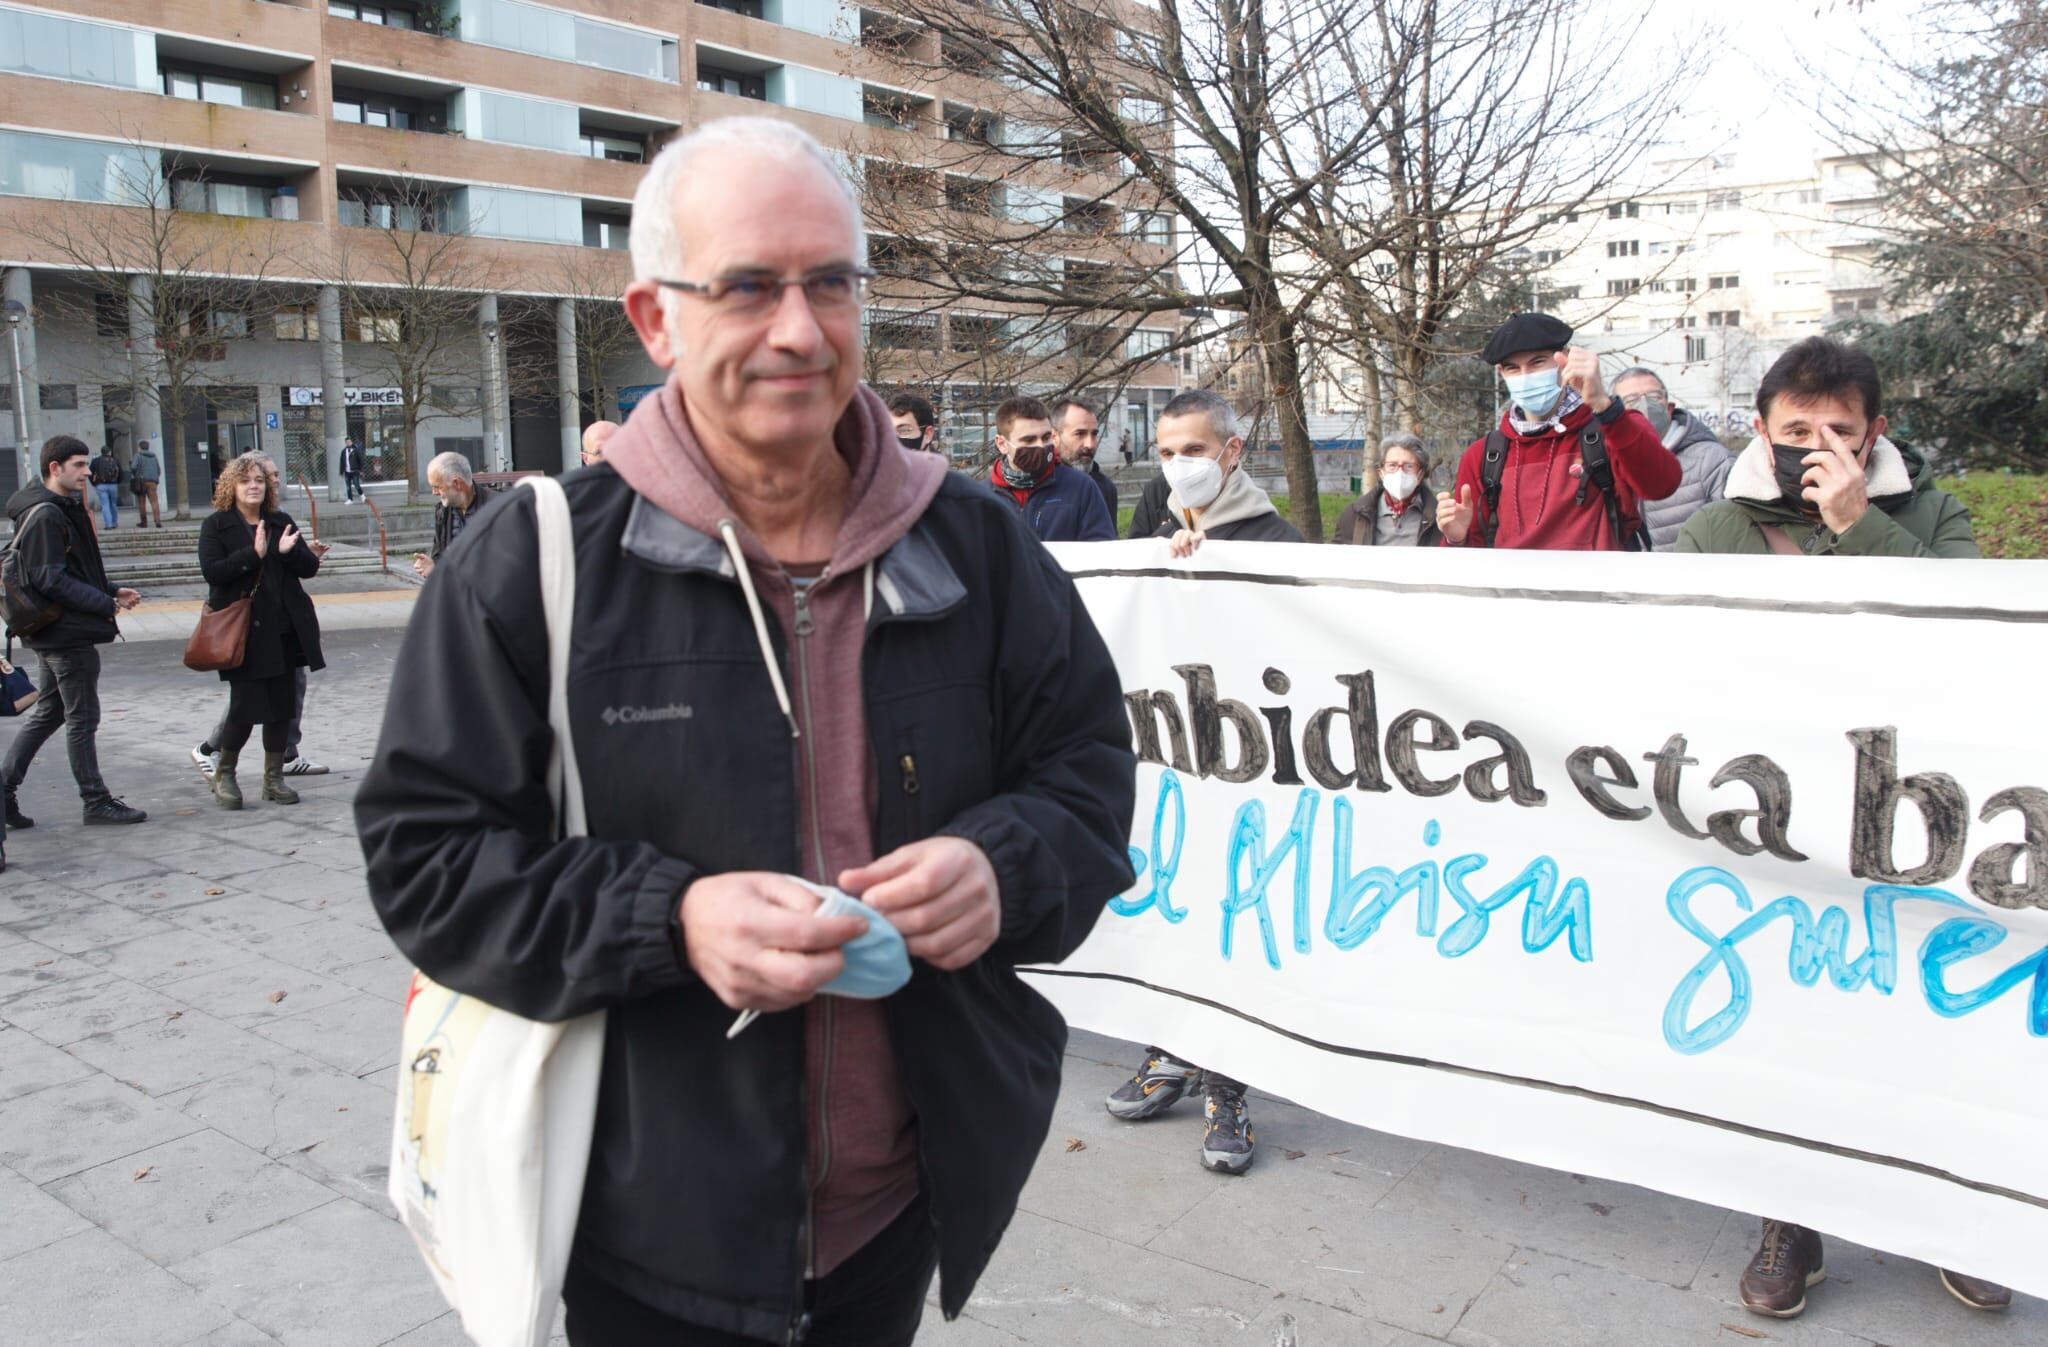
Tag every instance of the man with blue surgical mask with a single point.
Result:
(1569, 466)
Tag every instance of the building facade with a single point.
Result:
(312, 142)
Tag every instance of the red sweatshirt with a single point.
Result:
(1537, 489)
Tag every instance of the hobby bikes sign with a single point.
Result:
(1726, 876)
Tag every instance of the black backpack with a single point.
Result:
(25, 608)
(1598, 471)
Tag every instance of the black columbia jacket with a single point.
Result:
(982, 671)
(60, 559)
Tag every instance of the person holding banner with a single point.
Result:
(1821, 479)
(1401, 510)
(1210, 494)
(1569, 466)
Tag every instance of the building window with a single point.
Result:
(1153, 226)
(1146, 343)
(207, 84)
(365, 108)
(610, 232)
(617, 148)
(1724, 318)
(1725, 201)
(57, 168)
(63, 48)
(1624, 210)
(1545, 257)
(1561, 292)
(970, 125)
(1799, 196)
(1681, 208)
(1728, 282)
(1625, 286)
(296, 322)
(390, 16)
(1625, 248)
(750, 9)
(58, 397)
(739, 83)
(368, 208)
(249, 198)
(110, 316)
(890, 330)
(371, 326)
(1695, 349)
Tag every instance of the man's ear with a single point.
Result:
(1757, 422)
(1234, 451)
(1877, 428)
(644, 311)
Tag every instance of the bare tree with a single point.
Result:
(163, 262)
(409, 281)
(594, 281)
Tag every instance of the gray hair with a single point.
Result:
(657, 244)
(1401, 439)
(452, 467)
(1640, 371)
(1222, 419)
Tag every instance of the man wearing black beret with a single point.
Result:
(1571, 466)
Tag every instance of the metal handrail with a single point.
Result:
(312, 506)
(383, 556)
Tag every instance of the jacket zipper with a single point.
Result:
(805, 628)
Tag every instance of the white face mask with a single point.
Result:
(1197, 481)
(1401, 485)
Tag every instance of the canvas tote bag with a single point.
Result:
(495, 1112)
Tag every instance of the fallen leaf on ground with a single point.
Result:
(215, 893)
(1598, 1208)
(1746, 1332)
(44, 963)
(175, 1015)
(157, 894)
(1292, 1155)
(275, 997)
(1438, 1310)
(342, 1109)
(1076, 1144)
(304, 1149)
(142, 1174)
(1345, 1151)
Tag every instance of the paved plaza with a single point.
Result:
(198, 1036)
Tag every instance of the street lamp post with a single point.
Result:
(17, 313)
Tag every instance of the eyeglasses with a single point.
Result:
(754, 293)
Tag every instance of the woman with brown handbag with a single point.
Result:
(248, 548)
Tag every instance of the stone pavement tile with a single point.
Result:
(236, 1334)
(92, 926)
(67, 1128)
(201, 1191)
(445, 1331)
(160, 891)
(35, 900)
(1881, 1296)
(966, 1331)
(28, 1064)
(31, 1218)
(388, 976)
(1541, 1298)
(1317, 1325)
(325, 946)
(78, 863)
(1614, 1225)
(300, 884)
(357, 1035)
(338, 1274)
(248, 993)
(356, 912)
(1051, 1283)
(335, 851)
(83, 1007)
(28, 967)
(240, 917)
(93, 1291)
(291, 1107)
(1124, 1192)
(167, 957)
(1394, 1267)
(185, 1048)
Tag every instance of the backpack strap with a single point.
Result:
(1600, 472)
(1493, 466)
(558, 609)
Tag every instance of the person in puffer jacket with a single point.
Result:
(1702, 458)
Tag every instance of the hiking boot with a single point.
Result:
(1975, 1292)
(303, 766)
(1157, 1087)
(274, 788)
(227, 792)
(1786, 1263)
(205, 759)
(1227, 1143)
(110, 812)
(15, 818)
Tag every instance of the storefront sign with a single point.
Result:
(351, 397)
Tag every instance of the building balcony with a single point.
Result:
(451, 158)
(258, 25)
(55, 107)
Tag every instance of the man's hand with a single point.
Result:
(287, 540)
(422, 565)
(1185, 541)
(1834, 482)
(1454, 517)
(262, 538)
(125, 599)
(1579, 370)
(756, 941)
(940, 893)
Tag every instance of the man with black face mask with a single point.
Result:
(917, 425)
(1821, 479)
(1059, 503)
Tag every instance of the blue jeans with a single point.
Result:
(110, 501)
(352, 484)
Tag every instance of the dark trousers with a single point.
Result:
(351, 485)
(291, 738)
(70, 686)
(873, 1299)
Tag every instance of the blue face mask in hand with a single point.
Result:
(1536, 392)
(877, 961)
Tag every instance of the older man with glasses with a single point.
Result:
(803, 656)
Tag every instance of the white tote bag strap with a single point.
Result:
(558, 604)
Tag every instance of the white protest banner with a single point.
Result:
(1720, 875)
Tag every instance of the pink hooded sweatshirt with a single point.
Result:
(862, 1136)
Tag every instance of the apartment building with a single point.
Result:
(313, 130)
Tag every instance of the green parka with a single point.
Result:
(1908, 516)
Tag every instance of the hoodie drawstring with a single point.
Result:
(739, 561)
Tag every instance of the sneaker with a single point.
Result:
(204, 760)
(110, 812)
(1157, 1087)
(1228, 1144)
(303, 766)
(1786, 1263)
(1975, 1292)
(15, 818)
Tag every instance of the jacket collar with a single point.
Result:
(912, 578)
(1754, 476)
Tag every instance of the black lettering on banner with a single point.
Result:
(1879, 788)
(1994, 878)
(1402, 746)
(1584, 768)
(1147, 710)
(1773, 812)
(1281, 718)
(1361, 709)
(1671, 764)
(1208, 712)
(1521, 784)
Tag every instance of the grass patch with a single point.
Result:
(2009, 512)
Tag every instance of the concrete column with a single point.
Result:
(567, 392)
(333, 387)
(495, 430)
(23, 370)
(143, 406)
